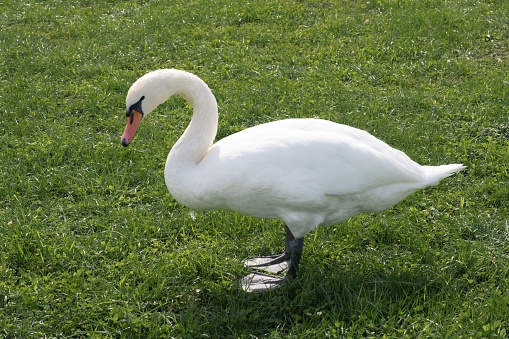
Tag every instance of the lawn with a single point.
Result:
(93, 245)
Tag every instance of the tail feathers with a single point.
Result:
(436, 173)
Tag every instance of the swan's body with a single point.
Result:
(306, 172)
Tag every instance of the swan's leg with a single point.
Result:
(296, 247)
(260, 282)
(275, 263)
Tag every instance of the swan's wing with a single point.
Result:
(307, 173)
(302, 159)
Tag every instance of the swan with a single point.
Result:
(305, 172)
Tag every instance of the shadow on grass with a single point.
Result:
(324, 302)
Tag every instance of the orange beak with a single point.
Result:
(133, 121)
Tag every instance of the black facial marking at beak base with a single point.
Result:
(137, 107)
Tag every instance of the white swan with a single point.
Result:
(306, 172)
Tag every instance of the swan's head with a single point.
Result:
(142, 98)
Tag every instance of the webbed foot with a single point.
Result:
(273, 264)
(260, 282)
(289, 261)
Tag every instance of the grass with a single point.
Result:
(93, 245)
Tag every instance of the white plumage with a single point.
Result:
(306, 172)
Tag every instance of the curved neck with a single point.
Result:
(199, 135)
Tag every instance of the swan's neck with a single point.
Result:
(185, 156)
(199, 135)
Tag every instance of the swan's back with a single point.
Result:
(307, 172)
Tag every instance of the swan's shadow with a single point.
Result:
(316, 296)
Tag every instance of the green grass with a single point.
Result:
(93, 245)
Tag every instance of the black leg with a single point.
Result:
(293, 247)
(296, 247)
(289, 238)
(274, 263)
(259, 282)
